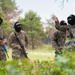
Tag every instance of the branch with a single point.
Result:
(62, 3)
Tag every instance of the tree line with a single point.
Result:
(32, 24)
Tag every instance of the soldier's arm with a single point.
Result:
(57, 25)
(54, 42)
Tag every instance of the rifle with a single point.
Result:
(4, 47)
(23, 50)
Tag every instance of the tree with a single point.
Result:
(9, 8)
(33, 26)
(8, 11)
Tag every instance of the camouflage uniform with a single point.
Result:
(2, 53)
(13, 43)
(59, 37)
(72, 40)
(72, 29)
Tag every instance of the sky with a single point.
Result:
(46, 8)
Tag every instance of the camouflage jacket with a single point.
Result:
(59, 37)
(2, 34)
(72, 30)
(13, 43)
(60, 28)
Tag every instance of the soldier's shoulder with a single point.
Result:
(22, 31)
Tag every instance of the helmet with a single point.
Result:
(1, 20)
(18, 26)
(71, 19)
(62, 22)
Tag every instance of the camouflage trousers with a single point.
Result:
(2, 55)
(16, 55)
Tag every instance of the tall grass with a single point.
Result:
(44, 52)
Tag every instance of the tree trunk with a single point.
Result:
(32, 42)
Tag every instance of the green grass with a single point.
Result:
(41, 56)
(42, 53)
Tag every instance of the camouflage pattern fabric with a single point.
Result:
(72, 29)
(59, 37)
(72, 40)
(70, 45)
(13, 43)
(2, 34)
(60, 28)
(2, 53)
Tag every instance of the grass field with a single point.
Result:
(41, 56)
(44, 53)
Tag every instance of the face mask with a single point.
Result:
(18, 28)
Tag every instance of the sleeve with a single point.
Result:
(11, 41)
(59, 27)
(54, 43)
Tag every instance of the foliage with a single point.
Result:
(5, 25)
(9, 8)
(25, 67)
(44, 48)
(66, 62)
(32, 26)
(8, 12)
(62, 65)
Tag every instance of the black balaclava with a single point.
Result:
(71, 19)
(1, 20)
(18, 27)
(62, 22)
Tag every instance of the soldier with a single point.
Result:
(58, 40)
(2, 42)
(13, 42)
(71, 22)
